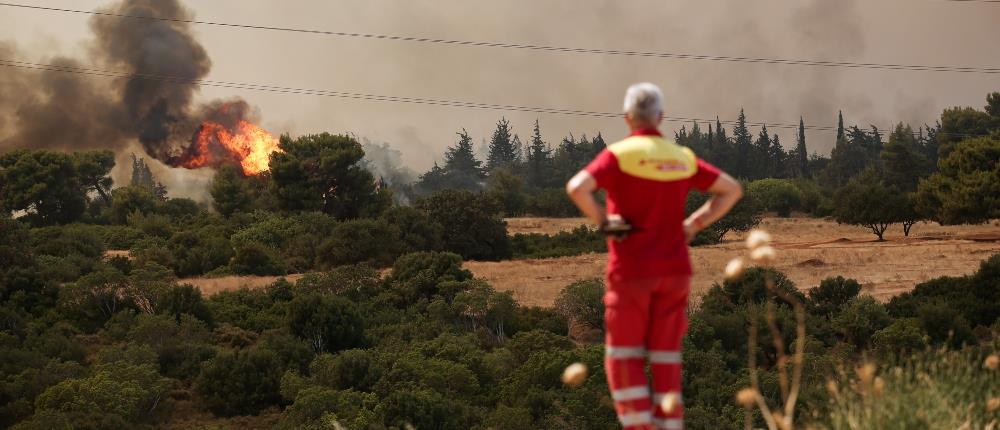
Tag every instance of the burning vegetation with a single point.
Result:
(227, 136)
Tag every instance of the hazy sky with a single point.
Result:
(880, 31)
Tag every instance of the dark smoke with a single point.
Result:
(159, 110)
(68, 111)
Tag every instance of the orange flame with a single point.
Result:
(246, 144)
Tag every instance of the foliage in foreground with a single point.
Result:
(937, 389)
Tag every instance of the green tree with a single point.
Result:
(43, 184)
(778, 195)
(328, 323)
(867, 202)
(903, 160)
(472, 224)
(502, 151)
(93, 169)
(462, 169)
(323, 172)
(743, 141)
(801, 153)
(230, 193)
(538, 166)
(966, 188)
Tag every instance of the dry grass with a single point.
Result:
(810, 251)
(211, 286)
(542, 225)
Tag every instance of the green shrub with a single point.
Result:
(256, 259)
(473, 227)
(581, 240)
(832, 294)
(931, 390)
(240, 382)
(327, 323)
(861, 318)
(357, 241)
(551, 202)
(777, 195)
(583, 302)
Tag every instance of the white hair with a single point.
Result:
(644, 102)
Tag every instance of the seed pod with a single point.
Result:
(757, 239)
(670, 403)
(735, 268)
(575, 374)
(746, 397)
(764, 255)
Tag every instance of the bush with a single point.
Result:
(421, 274)
(358, 241)
(901, 337)
(416, 231)
(256, 259)
(197, 253)
(581, 240)
(929, 390)
(328, 323)
(777, 195)
(860, 319)
(473, 227)
(551, 202)
(583, 302)
(240, 382)
(832, 294)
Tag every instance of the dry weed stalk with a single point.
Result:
(784, 417)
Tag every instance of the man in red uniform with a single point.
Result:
(646, 179)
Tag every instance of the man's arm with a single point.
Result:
(581, 190)
(725, 192)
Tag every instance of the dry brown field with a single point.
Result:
(809, 251)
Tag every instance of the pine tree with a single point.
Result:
(778, 157)
(743, 141)
(761, 165)
(539, 161)
(502, 153)
(801, 153)
(461, 167)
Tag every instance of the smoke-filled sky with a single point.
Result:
(878, 31)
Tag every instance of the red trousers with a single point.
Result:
(645, 318)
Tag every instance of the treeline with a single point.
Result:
(872, 178)
(125, 345)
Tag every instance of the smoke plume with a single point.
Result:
(72, 111)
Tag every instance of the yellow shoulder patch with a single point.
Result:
(654, 158)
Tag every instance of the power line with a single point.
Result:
(375, 97)
(544, 48)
